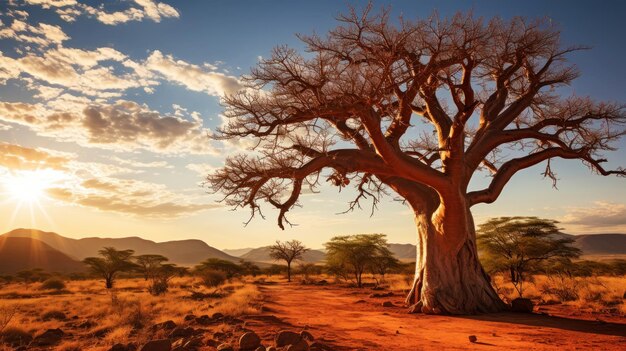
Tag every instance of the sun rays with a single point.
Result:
(25, 191)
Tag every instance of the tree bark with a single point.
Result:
(289, 271)
(449, 278)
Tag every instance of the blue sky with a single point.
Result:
(158, 70)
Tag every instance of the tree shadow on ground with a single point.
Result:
(542, 320)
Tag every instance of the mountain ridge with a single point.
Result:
(182, 252)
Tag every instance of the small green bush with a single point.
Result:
(53, 284)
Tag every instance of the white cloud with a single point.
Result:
(191, 76)
(69, 10)
(122, 125)
(602, 215)
(42, 34)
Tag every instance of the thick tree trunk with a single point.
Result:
(108, 283)
(449, 279)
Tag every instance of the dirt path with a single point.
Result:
(350, 320)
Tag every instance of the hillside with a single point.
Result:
(403, 252)
(18, 254)
(182, 252)
(601, 244)
(262, 254)
(238, 252)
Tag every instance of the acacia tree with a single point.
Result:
(149, 263)
(288, 252)
(519, 245)
(419, 108)
(110, 264)
(352, 255)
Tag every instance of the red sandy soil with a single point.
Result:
(347, 319)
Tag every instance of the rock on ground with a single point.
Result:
(249, 341)
(157, 345)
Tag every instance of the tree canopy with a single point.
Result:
(353, 255)
(111, 263)
(520, 245)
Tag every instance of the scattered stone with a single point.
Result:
(299, 346)
(306, 335)
(167, 325)
(190, 317)
(260, 348)
(286, 337)
(249, 341)
(204, 320)
(387, 304)
(522, 305)
(212, 343)
(360, 301)
(219, 335)
(57, 315)
(225, 347)
(157, 345)
(180, 332)
(317, 346)
(473, 338)
(377, 295)
(49, 337)
(624, 296)
(217, 316)
(123, 347)
(322, 282)
(193, 343)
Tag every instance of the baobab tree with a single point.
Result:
(418, 108)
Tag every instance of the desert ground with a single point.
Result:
(333, 316)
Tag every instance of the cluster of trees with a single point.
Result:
(158, 271)
(154, 268)
(520, 247)
(348, 257)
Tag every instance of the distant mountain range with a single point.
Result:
(31, 248)
(182, 252)
(17, 254)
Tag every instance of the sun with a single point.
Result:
(26, 187)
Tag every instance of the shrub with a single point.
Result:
(53, 284)
(158, 287)
(15, 336)
(212, 278)
(54, 314)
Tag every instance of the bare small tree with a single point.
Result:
(148, 264)
(288, 252)
(417, 108)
